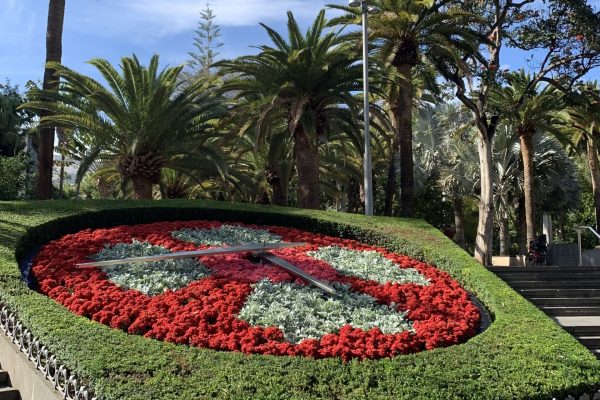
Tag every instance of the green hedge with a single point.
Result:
(523, 355)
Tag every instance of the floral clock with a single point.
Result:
(385, 304)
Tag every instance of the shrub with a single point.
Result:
(522, 355)
(15, 182)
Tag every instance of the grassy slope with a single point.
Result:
(522, 355)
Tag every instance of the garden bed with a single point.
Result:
(523, 354)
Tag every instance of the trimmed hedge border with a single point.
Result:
(522, 355)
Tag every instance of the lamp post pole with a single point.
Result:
(367, 165)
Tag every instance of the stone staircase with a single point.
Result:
(6, 391)
(570, 295)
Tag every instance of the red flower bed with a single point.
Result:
(204, 313)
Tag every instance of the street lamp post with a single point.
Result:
(368, 170)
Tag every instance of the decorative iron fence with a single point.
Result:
(64, 381)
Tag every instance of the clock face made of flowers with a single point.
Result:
(385, 304)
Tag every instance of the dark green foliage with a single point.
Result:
(431, 207)
(523, 355)
(12, 121)
(15, 177)
(584, 216)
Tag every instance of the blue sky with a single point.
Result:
(114, 28)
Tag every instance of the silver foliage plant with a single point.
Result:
(303, 312)
(150, 278)
(367, 265)
(229, 235)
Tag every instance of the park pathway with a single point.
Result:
(569, 295)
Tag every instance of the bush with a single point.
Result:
(15, 179)
(522, 355)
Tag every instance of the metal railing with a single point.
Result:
(580, 229)
(63, 380)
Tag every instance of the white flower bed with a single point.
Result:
(229, 235)
(150, 278)
(367, 265)
(303, 312)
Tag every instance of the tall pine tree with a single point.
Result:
(206, 44)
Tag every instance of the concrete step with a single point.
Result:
(545, 292)
(590, 341)
(3, 378)
(587, 284)
(568, 269)
(572, 311)
(580, 331)
(549, 276)
(8, 393)
(566, 301)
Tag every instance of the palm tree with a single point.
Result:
(410, 35)
(584, 121)
(56, 15)
(268, 166)
(540, 113)
(459, 168)
(554, 175)
(308, 82)
(506, 170)
(264, 149)
(141, 123)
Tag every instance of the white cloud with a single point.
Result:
(153, 19)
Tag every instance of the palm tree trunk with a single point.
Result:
(278, 189)
(403, 115)
(353, 191)
(483, 241)
(459, 222)
(61, 183)
(307, 164)
(504, 236)
(526, 136)
(561, 228)
(592, 155)
(56, 14)
(522, 227)
(390, 187)
(279, 195)
(142, 188)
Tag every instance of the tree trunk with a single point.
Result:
(402, 111)
(307, 164)
(61, 183)
(142, 188)
(390, 187)
(561, 228)
(522, 227)
(279, 195)
(504, 236)
(279, 192)
(342, 197)
(54, 29)
(592, 155)
(353, 196)
(459, 222)
(483, 241)
(525, 137)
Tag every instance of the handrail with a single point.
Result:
(590, 229)
(579, 229)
